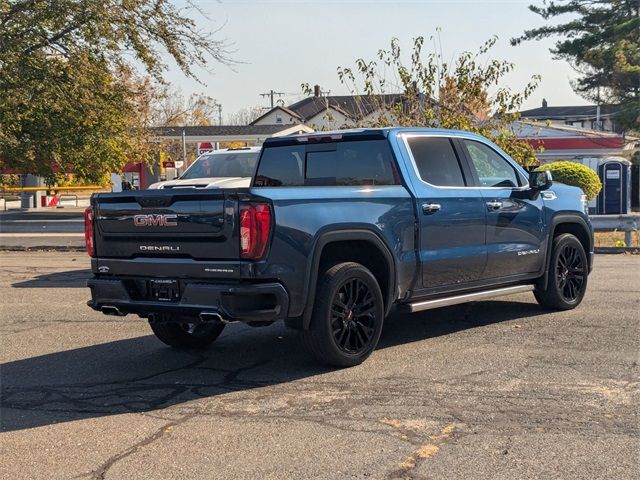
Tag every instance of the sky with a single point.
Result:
(280, 44)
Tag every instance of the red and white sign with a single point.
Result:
(49, 201)
(205, 147)
(178, 164)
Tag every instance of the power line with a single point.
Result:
(272, 94)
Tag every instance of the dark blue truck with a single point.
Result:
(335, 230)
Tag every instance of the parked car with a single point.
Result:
(226, 168)
(334, 231)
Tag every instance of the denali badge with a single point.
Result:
(529, 252)
(155, 220)
(159, 248)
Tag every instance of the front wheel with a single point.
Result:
(347, 317)
(187, 335)
(566, 275)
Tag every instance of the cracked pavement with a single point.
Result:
(495, 389)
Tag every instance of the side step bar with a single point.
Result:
(468, 297)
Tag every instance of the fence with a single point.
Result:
(622, 223)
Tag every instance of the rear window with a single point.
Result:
(230, 164)
(366, 162)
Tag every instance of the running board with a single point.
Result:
(468, 297)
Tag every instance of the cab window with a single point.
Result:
(492, 169)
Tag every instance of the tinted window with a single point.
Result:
(366, 162)
(437, 161)
(281, 166)
(351, 163)
(492, 169)
(232, 164)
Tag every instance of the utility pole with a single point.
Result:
(598, 110)
(272, 93)
(219, 108)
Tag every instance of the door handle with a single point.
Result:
(429, 208)
(494, 205)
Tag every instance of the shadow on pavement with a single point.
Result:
(68, 279)
(141, 374)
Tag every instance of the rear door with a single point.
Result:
(515, 227)
(451, 213)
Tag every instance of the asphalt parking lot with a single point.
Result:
(496, 389)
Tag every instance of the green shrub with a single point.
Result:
(576, 174)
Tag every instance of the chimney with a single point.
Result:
(544, 103)
(316, 90)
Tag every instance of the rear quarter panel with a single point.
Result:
(304, 214)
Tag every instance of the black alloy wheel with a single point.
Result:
(347, 317)
(353, 316)
(565, 283)
(570, 272)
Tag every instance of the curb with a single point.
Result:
(617, 250)
(44, 248)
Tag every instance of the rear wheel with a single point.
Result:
(347, 316)
(566, 276)
(187, 335)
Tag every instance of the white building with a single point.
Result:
(330, 112)
(591, 117)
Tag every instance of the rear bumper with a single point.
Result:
(261, 302)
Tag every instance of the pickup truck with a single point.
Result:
(228, 167)
(335, 230)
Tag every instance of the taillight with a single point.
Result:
(255, 225)
(88, 232)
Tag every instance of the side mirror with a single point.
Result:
(540, 180)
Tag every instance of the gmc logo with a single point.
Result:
(154, 220)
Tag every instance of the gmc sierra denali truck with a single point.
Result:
(336, 229)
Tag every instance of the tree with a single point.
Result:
(245, 116)
(601, 40)
(74, 95)
(170, 108)
(429, 92)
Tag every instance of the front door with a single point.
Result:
(452, 214)
(515, 227)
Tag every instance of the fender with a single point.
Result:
(564, 218)
(337, 234)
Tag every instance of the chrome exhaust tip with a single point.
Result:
(211, 317)
(111, 310)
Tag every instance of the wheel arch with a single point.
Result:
(355, 245)
(575, 225)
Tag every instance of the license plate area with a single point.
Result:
(164, 290)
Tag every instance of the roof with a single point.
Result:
(353, 106)
(220, 130)
(532, 129)
(570, 111)
(278, 107)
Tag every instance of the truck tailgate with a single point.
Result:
(167, 224)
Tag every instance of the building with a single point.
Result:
(141, 176)
(330, 112)
(568, 143)
(592, 117)
(249, 134)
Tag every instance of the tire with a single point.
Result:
(347, 317)
(567, 275)
(187, 335)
